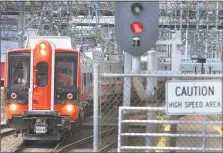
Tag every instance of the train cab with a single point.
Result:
(42, 88)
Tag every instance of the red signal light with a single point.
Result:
(136, 27)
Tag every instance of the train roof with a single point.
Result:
(56, 41)
(29, 49)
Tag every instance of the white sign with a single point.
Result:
(194, 97)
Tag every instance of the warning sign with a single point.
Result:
(193, 97)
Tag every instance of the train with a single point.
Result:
(48, 88)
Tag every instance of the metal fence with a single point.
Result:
(3, 115)
(192, 133)
(138, 128)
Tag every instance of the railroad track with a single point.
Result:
(34, 145)
(19, 148)
(26, 147)
(5, 131)
(84, 142)
(62, 146)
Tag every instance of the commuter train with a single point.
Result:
(48, 88)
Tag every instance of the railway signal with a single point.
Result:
(136, 26)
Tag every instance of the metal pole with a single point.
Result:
(126, 93)
(169, 74)
(175, 67)
(136, 64)
(95, 143)
(151, 84)
(97, 12)
(120, 117)
(204, 133)
(197, 15)
(186, 43)
(181, 15)
(127, 81)
(217, 9)
(21, 26)
(176, 54)
(206, 42)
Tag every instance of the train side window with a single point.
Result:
(2, 83)
(85, 80)
(91, 78)
(42, 74)
(82, 78)
(18, 72)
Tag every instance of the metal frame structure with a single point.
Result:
(204, 135)
(92, 23)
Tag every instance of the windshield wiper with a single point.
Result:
(16, 65)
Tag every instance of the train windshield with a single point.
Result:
(18, 71)
(66, 72)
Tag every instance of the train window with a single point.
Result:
(2, 83)
(66, 72)
(18, 72)
(42, 74)
(85, 78)
(91, 78)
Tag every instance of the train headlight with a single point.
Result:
(43, 52)
(13, 107)
(69, 107)
(42, 46)
(13, 95)
(42, 49)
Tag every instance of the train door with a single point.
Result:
(42, 76)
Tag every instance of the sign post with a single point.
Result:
(194, 97)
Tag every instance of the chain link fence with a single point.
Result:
(3, 115)
(168, 133)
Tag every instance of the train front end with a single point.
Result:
(42, 90)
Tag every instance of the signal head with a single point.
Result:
(136, 8)
(136, 25)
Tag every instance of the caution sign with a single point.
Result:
(194, 97)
